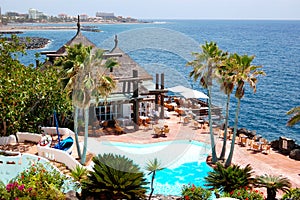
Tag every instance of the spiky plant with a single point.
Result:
(79, 174)
(114, 177)
(292, 194)
(230, 178)
(273, 183)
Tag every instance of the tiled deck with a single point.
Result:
(273, 163)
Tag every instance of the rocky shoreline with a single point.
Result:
(33, 42)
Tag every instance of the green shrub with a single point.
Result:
(114, 177)
(191, 192)
(230, 178)
(293, 194)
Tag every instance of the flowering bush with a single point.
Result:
(245, 194)
(191, 192)
(35, 183)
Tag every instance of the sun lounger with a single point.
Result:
(256, 147)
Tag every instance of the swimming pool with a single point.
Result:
(184, 161)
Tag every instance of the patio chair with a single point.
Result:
(249, 143)
(256, 147)
(186, 120)
(243, 141)
(196, 125)
(165, 131)
(266, 148)
(157, 131)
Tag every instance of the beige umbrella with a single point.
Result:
(188, 92)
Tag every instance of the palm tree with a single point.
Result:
(273, 184)
(204, 66)
(296, 116)
(84, 76)
(230, 178)
(243, 72)
(71, 64)
(92, 82)
(227, 86)
(153, 167)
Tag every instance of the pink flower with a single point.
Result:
(21, 187)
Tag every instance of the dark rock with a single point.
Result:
(275, 144)
(286, 145)
(295, 154)
(32, 42)
(71, 195)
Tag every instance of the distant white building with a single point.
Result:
(35, 14)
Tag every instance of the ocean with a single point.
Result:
(165, 46)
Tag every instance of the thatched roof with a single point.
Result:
(124, 72)
(77, 39)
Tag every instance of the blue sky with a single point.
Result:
(164, 9)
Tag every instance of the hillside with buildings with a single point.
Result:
(36, 16)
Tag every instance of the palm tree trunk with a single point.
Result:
(152, 188)
(229, 159)
(76, 132)
(212, 140)
(86, 134)
(271, 194)
(222, 156)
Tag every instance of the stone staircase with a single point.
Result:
(62, 167)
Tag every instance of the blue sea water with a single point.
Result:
(166, 46)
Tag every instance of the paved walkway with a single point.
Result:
(273, 163)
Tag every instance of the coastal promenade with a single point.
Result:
(272, 163)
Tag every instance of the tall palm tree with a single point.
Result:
(71, 64)
(296, 116)
(226, 82)
(273, 184)
(153, 167)
(84, 76)
(204, 67)
(92, 82)
(243, 72)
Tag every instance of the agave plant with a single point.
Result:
(114, 177)
(230, 178)
(273, 183)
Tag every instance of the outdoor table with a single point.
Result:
(201, 121)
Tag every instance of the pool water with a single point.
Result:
(184, 162)
(170, 181)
